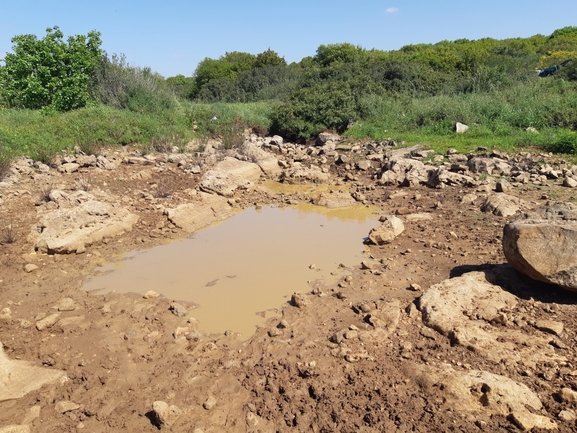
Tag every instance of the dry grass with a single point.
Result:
(83, 182)
(8, 235)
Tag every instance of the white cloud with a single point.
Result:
(391, 10)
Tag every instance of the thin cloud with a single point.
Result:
(391, 10)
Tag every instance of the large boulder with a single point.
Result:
(543, 245)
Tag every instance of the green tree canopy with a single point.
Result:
(269, 58)
(50, 72)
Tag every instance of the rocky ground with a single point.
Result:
(434, 331)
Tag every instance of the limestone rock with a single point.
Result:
(390, 228)
(489, 166)
(47, 322)
(178, 309)
(502, 204)
(461, 128)
(441, 177)
(66, 304)
(65, 406)
(165, 415)
(18, 378)
(70, 230)
(480, 392)
(461, 309)
(543, 245)
(210, 403)
(335, 200)
(151, 294)
(301, 174)
(300, 300)
(204, 211)
(569, 182)
(527, 421)
(221, 183)
(30, 267)
(15, 429)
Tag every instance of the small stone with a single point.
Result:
(526, 421)
(106, 309)
(209, 403)
(569, 182)
(567, 395)
(415, 287)
(178, 309)
(461, 128)
(66, 304)
(549, 326)
(65, 406)
(30, 267)
(251, 419)
(181, 332)
(567, 415)
(300, 300)
(351, 334)
(151, 294)
(165, 415)
(47, 322)
(274, 332)
(502, 186)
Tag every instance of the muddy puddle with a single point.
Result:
(246, 268)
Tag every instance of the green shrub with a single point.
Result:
(565, 142)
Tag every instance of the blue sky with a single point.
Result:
(173, 36)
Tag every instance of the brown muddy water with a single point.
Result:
(245, 268)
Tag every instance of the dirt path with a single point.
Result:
(352, 358)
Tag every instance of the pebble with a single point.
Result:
(66, 304)
(48, 321)
(209, 403)
(178, 309)
(65, 406)
(165, 415)
(30, 267)
(151, 294)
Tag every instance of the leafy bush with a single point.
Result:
(565, 142)
(312, 109)
(50, 73)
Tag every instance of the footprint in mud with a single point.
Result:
(231, 276)
(211, 283)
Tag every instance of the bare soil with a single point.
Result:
(121, 355)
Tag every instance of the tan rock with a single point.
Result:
(165, 415)
(70, 230)
(65, 406)
(543, 245)
(18, 378)
(47, 322)
(390, 228)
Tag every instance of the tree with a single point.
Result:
(345, 52)
(269, 58)
(50, 72)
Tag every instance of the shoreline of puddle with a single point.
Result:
(243, 270)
